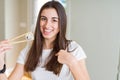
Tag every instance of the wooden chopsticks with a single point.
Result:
(27, 37)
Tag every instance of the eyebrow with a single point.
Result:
(55, 18)
(42, 16)
(52, 17)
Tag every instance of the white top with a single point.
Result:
(41, 74)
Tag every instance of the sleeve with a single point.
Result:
(22, 56)
(77, 50)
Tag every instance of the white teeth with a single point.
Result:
(47, 30)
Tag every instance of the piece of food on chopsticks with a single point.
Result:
(29, 36)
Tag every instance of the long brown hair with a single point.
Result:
(60, 42)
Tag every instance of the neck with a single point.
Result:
(48, 44)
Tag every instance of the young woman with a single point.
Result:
(51, 56)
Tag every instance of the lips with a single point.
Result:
(47, 31)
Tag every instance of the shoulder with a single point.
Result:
(25, 49)
(23, 54)
(73, 45)
(76, 50)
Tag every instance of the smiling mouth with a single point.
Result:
(47, 31)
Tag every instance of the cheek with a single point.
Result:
(41, 25)
(58, 28)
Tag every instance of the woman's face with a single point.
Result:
(49, 23)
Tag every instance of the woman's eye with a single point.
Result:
(43, 18)
(54, 20)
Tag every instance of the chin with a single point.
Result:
(49, 37)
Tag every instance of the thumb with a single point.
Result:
(57, 54)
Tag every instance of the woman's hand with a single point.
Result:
(65, 57)
(4, 46)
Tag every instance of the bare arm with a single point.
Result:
(77, 67)
(79, 71)
(16, 74)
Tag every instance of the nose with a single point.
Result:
(48, 24)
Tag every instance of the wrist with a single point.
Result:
(3, 69)
(72, 63)
(2, 60)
